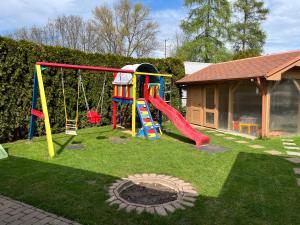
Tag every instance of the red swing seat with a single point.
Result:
(93, 117)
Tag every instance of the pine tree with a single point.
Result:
(206, 30)
(247, 34)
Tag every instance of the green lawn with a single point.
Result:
(240, 186)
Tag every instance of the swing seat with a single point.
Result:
(93, 117)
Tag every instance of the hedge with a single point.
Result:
(17, 59)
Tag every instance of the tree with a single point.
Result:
(206, 30)
(126, 29)
(247, 34)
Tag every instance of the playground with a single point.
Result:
(142, 169)
(242, 185)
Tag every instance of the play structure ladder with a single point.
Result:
(71, 127)
(146, 119)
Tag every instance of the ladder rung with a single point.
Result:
(73, 128)
(71, 132)
(71, 120)
(70, 125)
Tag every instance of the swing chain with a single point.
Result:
(100, 102)
(83, 91)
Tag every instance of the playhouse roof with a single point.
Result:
(126, 78)
(261, 66)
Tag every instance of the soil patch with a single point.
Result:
(149, 194)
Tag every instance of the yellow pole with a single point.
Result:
(45, 111)
(133, 104)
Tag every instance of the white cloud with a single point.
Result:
(18, 13)
(282, 26)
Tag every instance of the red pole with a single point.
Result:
(146, 88)
(114, 116)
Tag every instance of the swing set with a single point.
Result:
(125, 80)
(93, 116)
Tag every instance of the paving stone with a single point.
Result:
(112, 198)
(177, 205)
(273, 152)
(24, 214)
(291, 148)
(293, 160)
(169, 207)
(293, 153)
(139, 210)
(189, 194)
(256, 146)
(185, 203)
(229, 138)
(297, 171)
(242, 142)
(122, 206)
(298, 182)
(115, 202)
(150, 210)
(189, 199)
(130, 208)
(287, 140)
(289, 143)
(161, 211)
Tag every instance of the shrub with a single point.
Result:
(17, 59)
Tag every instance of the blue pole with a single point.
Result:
(161, 94)
(33, 105)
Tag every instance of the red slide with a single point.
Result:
(179, 121)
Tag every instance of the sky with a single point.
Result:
(282, 26)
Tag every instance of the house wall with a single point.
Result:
(238, 106)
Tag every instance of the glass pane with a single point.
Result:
(223, 106)
(247, 109)
(210, 98)
(284, 108)
(210, 118)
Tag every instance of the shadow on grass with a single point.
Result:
(64, 145)
(259, 189)
(101, 137)
(177, 137)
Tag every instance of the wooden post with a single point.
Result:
(114, 114)
(45, 111)
(267, 109)
(265, 105)
(298, 118)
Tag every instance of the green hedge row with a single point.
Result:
(17, 59)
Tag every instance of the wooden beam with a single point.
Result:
(296, 84)
(268, 108)
(262, 86)
(298, 118)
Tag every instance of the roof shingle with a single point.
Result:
(241, 69)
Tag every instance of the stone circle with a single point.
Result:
(151, 193)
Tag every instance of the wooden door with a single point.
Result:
(211, 106)
(195, 105)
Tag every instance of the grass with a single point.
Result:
(239, 186)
